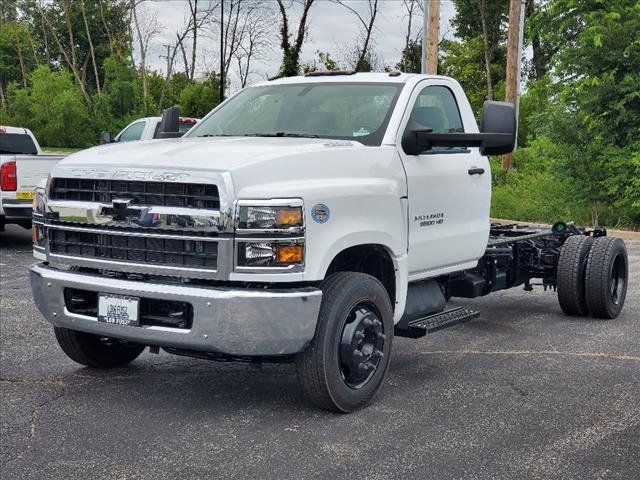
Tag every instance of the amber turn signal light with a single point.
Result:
(289, 254)
(289, 217)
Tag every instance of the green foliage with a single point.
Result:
(53, 108)
(197, 99)
(411, 61)
(464, 61)
(586, 114)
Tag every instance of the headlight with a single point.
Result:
(269, 235)
(270, 254)
(270, 217)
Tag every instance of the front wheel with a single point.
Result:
(346, 362)
(96, 351)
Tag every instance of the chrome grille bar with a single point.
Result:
(147, 193)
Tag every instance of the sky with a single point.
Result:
(331, 28)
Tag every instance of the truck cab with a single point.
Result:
(305, 220)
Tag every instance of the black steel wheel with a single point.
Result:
(607, 274)
(361, 346)
(571, 272)
(345, 364)
(96, 351)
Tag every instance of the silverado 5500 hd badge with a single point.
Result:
(429, 219)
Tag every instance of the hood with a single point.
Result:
(212, 154)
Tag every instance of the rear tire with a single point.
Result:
(345, 364)
(606, 278)
(571, 273)
(95, 351)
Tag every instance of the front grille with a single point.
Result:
(148, 250)
(186, 195)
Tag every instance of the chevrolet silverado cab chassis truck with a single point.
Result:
(306, 219)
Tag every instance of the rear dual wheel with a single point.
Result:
(592, 276)
(607, 273)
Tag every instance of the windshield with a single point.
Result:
(350, 111)
(17, 143)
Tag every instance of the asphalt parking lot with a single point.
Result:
(521, 392)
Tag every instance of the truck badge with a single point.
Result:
(320, 213)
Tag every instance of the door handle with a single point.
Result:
(475, 171)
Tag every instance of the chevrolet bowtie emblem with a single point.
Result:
(121, 210)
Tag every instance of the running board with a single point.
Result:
(448, 318)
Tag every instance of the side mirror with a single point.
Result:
(105, 137)
(169, 123)
(499, 119)
(497, 133)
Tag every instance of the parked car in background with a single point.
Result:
(22, 167)
(147, 128)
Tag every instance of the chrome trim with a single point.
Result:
(225, 246)
(169, 218)
(227, 320)
(40, 253)
(124, 233)
(271, 202)
(221, 179)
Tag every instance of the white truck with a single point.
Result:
(146, 128)
(306, 220)
(22, 167)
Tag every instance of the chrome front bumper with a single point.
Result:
(232, 321)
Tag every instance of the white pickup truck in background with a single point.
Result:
(148, 128)
(22, 167)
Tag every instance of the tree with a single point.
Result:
(53, 107)
(363, 61)
(411, 60)
(411, 40)
(199, 98)
(291, 51)
(487, 20)
(146, 27)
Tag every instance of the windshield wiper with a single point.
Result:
(276, 134)
(282, 134)
(217, 135)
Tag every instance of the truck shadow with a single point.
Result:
(15, 237)
(190, 386)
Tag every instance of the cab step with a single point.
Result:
(448, 318)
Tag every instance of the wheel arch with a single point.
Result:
(378, 261)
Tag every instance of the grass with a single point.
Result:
(55, 150)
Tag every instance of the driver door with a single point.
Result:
(449, 200)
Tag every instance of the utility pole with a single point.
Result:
(221, 50)
(433, 32)
(430, 35)
(168, 57)
(514, 58)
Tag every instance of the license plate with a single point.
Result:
(25, 195)
(118, 309)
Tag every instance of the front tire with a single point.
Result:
(95, 351)
(345, 364)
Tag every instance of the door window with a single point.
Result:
(436, 108)
(132, 132)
